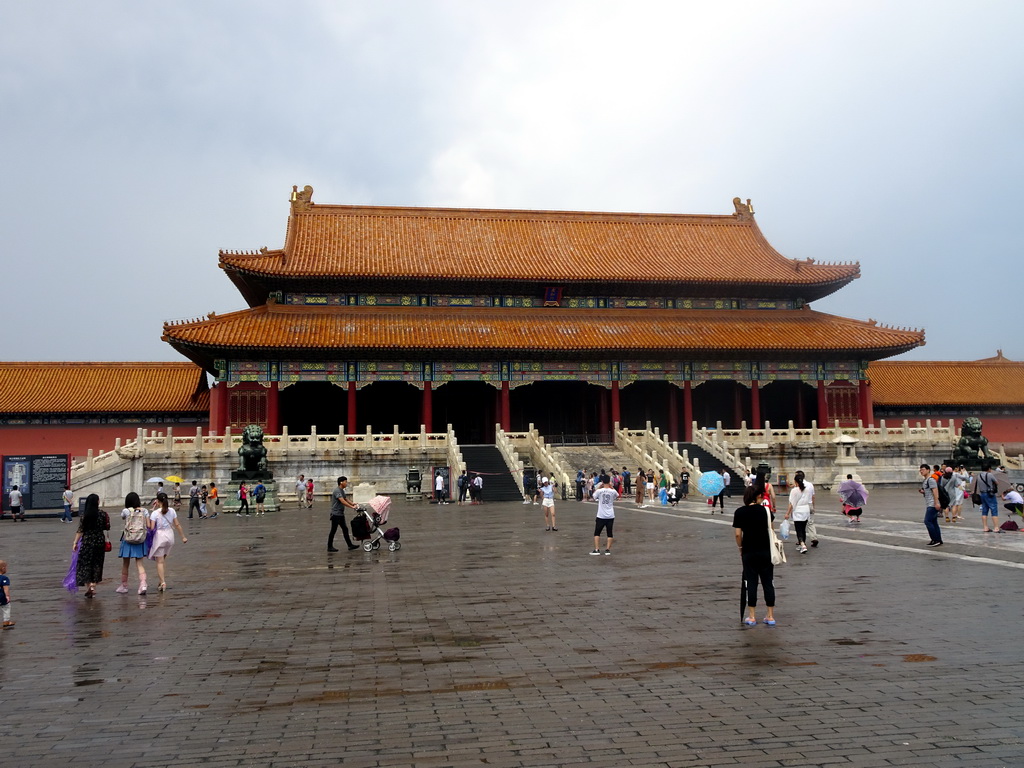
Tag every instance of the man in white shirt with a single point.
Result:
(69, 499)
(439, 489)
(605, 496)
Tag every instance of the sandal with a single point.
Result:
(163, 586)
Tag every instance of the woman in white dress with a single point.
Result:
(161, 521)
(801, 504)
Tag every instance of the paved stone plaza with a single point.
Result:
(487, 641)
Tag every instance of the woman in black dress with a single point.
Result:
(91, 543)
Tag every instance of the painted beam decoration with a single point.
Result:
(528, 371)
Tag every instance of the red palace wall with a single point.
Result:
(79, 438)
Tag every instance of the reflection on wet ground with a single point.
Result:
(487, 640)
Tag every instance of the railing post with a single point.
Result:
(423, 435)
(312, 440)
(198, 445)
(89, 462)
(227, 441)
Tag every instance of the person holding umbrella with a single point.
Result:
(750, 523)
(853, 495)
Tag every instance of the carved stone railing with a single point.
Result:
(187, 448)
(531, 444)
(648, 449)
(511, 456)
(881, 433)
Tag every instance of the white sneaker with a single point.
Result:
(596, 552)
(527, 501)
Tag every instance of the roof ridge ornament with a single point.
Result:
(301, 201)
(744, 211)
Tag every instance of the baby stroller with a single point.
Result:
(367, 525)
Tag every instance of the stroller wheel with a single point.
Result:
(367, 546)
(392, 547)
(376, 544)
(398, 545)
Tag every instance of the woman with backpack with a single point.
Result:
(133, 540)
(161, 522)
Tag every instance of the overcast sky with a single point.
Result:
(140, 138)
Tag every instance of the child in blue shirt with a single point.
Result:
(5, 596)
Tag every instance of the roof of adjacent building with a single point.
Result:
(638, 251)
(63, 388)
(992, 381)
(415, 330)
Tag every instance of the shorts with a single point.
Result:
(548, 502)
(604, 523)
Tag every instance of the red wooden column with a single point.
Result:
(673, 413)
(822, 406)
(755, 405)
(687, 412)
(603, 425)
(616, 410)
(274, 409)
(219, 408)
(506, 408)
(427, 416)
(737, 406)
(867, 408)
(352, 425)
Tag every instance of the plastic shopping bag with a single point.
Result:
(784, 530)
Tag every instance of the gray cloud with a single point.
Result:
(139, 139)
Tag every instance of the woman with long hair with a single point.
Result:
(161, 521)
(136, 523)
(801, 504)
(91, 543)
(641, 486)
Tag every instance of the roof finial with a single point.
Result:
(301, 201)
(743, 210)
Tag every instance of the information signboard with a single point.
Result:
(41, 480)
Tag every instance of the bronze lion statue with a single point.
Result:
(252, 453)
(971, 442)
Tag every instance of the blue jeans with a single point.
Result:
(67, 513)
(931, 522)
(989, 505)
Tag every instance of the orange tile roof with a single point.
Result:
(39, 388)
(995, 381)
(336, 241)
(362, 329)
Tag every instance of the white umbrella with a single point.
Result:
(156, 480)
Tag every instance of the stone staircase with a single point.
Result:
(710, 463)
(593, 458)
(488, 461)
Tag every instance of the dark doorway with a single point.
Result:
(724, 401)
(383, 404)
(309, 404)
(785, 401)
(470, 407)
(558, 407)
(644, 401)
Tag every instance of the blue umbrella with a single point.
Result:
(711, 484)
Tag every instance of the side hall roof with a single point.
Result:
(283, 329)
(63, 388)
(993, 381)
(638, 251)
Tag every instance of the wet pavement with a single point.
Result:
(487, 641)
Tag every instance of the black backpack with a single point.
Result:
(943, 494)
